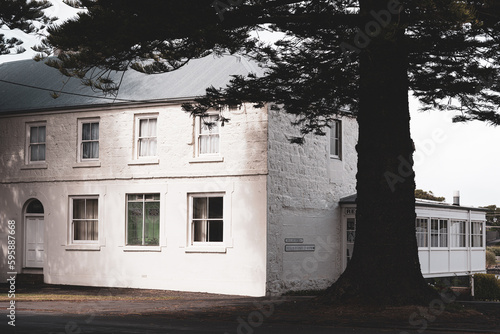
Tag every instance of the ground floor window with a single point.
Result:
(143, 219)
(207, 220)
(351, 234)
(84, 219)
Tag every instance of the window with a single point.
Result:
(439, 233)
(207, 222)
(458, 233)
(84, 219)
(335, 139)
(143, 219)
(88, 139)
(476, 234)
(422, 228)
(351, 234)
(36, 143)
(208, 135)
(146, 134)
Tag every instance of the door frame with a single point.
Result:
(25, 230)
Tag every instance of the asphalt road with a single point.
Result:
(34, 322)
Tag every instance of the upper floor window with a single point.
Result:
(146, 134)
(36, 142)
(458, 233)
(208, 130)
(439, 233)
(422, 228)
(143, 219)
(84, 219)
(335, 139)
(88, 139)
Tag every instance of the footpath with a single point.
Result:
(472, 317)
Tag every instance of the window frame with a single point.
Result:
(462, 235)
(481, 234)
(198, 134)
(191, 229)
(439, 234)
(72, 240)
(28, 145)
(422, 233)
(80, 141)
(137, 138)
(144, 201)
(335, 139)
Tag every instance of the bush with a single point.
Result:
(495, 250)
(486, 287)
(491, 259)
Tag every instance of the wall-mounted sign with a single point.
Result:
(300, 248)
(294, 240)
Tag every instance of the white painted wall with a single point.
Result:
(304, 187)
(241, 176)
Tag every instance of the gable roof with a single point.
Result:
(26, 85)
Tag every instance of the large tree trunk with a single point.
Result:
(384, 268)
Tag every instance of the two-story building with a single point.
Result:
(131, 191)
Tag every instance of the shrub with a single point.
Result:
(495, 250)
(491, 259)
(486, 287)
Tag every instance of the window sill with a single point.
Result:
(86, 164)
(83, 247)
(206, 159)
(206, 249)
(142, 249)
(36, 166)
(145, 161)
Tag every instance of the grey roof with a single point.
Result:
(26, 85)
(352, 199)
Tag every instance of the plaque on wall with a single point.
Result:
(300, 248)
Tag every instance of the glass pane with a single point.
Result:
(41, 152)
(143, 128)
(93, 230)
(41, 134)
(152, 223)
(95, 150)
(152, 127)
(79, 208)
(86, 131)
(215, 230)
(78, 230)
(33, 134)
(351, 224)
(86, 149)
(350, 236)
(134, 223)
(215, 209)
(35, 206)
(199, 207)
(152, 147)
(34, 153)
(95, 131)
(199, 230)
(92, 208)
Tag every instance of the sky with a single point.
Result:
(449, 156)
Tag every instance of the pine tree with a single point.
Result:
(21, 14)
(360, 58)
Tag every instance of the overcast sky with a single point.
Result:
(450, 156)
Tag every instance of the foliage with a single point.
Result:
(25, 15)
(495, 250)
(491, 259)
(486, 287)
(419, 193)
(493, 215)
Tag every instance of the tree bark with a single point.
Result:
(384, 268)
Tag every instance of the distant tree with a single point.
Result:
(422, 194)
(26, 15)
(337, 57)
(493, 215)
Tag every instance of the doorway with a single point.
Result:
(34, 235)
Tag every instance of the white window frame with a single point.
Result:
(424, 235)
(463, 235)
(335, 139)
(28, 160)
(439, 233)
(199, 122)
(137, 138)
(191, 241)
(481, 234)
(71, 220)
(80, 140)
(143, 245)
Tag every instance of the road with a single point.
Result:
(34, 322)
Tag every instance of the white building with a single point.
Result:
(130, 191)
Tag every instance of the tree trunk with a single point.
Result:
(384, 268)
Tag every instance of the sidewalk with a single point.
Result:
(467, 316)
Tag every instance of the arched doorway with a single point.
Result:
(33, 234)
